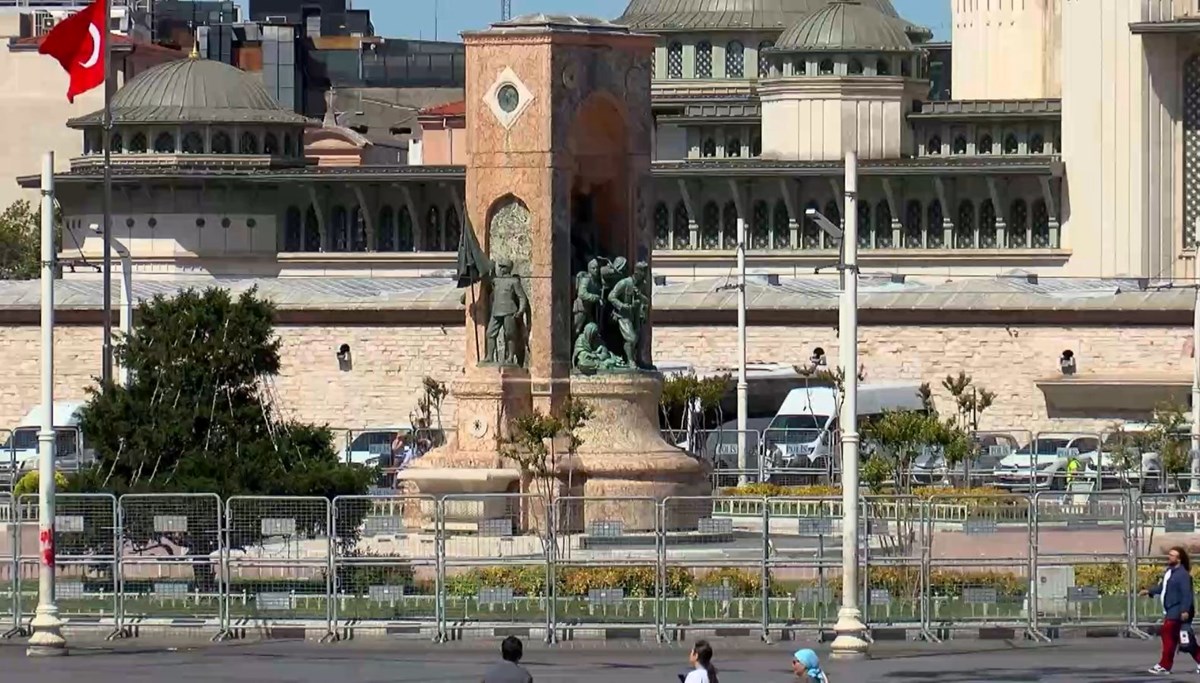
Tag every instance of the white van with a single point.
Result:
(19, 452)
(801, 434)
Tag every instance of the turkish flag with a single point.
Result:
(77, 42)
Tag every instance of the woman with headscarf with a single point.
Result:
(805, 663)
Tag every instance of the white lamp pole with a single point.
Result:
(743, 386)
(849, 643)
(47, 638)
(1194, 485)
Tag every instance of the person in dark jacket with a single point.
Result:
(1178, 603)
(509, 670)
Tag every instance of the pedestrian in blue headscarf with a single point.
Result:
(805, 663)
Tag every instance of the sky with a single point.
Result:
(415, 18)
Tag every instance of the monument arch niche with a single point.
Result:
(559, 142)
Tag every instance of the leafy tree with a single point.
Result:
(682, 392)
(1167, 436)
(533, 444)
(197, 417)
(970, 400)
(20, 241)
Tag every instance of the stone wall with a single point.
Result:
(383, 384)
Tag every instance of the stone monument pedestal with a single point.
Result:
(623, 455)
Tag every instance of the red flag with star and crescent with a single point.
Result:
(77, 42)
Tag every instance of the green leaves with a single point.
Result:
(198, 414)
(20, 242)
(529, 436)
(903, 434)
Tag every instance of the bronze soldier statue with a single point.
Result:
(589, 297)
(630, 309)
(505, 342)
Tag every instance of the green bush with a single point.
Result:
(29, 484)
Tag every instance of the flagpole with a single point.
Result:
(106, 366)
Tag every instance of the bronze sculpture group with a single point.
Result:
(610, 311)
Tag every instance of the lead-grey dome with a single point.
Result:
(194, 91)
(845, 26)
(689, 15)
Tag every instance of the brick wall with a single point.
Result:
(389, 362)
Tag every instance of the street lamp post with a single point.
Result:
(849, 643)
(47, 639)
(1194, 465)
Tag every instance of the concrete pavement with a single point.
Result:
(141, 661)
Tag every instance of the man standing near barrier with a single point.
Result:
(1178, 604)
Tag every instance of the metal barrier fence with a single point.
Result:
(929, 567)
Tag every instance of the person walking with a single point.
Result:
(510, 669)
(1178, 603)
(805, 664)
(700, 658)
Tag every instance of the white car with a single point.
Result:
(1041, 465)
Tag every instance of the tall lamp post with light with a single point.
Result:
(849, 643)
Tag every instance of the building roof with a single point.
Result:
(988, 109)
(689, 15)
(193, 91)
(120, 43)
(845, 26)
(1016, 292)
(447, 110)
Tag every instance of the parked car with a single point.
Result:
(930, 468)
(1042, 464)
(1127, 461)
(19, 452)
(719, 447)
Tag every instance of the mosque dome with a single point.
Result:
(845, 26)
(691, 15)
(199, 91)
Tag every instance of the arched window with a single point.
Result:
(833, 212)
(733, 148)
(934, 146)
(1058, 144)
(312, 230)
(221, 143)
(1010, 144)
(116, 144)
(883, 225)
(709, 150)
(710, 226)
(683, 228)
(883, 67)
(385, 232)
(288, 148)
(781, 226)
(756, 146)
(935, 230)
(193, 143)
(339, 229)
(810, 232)
(800, 67)
(675, 60)
(906, 68)
(270, 144)
(93, 141)
(433, 230)
(358, 230)
(1018, 225)
(1037, 144)
(964, 227)
(826, 67)
(987, 225)
(760, 226)
(453, 229)
(404, 231)
(1040, 237)
(137, 145)
(662, 226)
(735, 59)
(704, 60)
(164, 143)
(985, 145)
(960, 145)
(864, 226)
(913, 230)
(729, 220)
(248, 143)
(764, 63)
(855, 68)
(293, 230)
